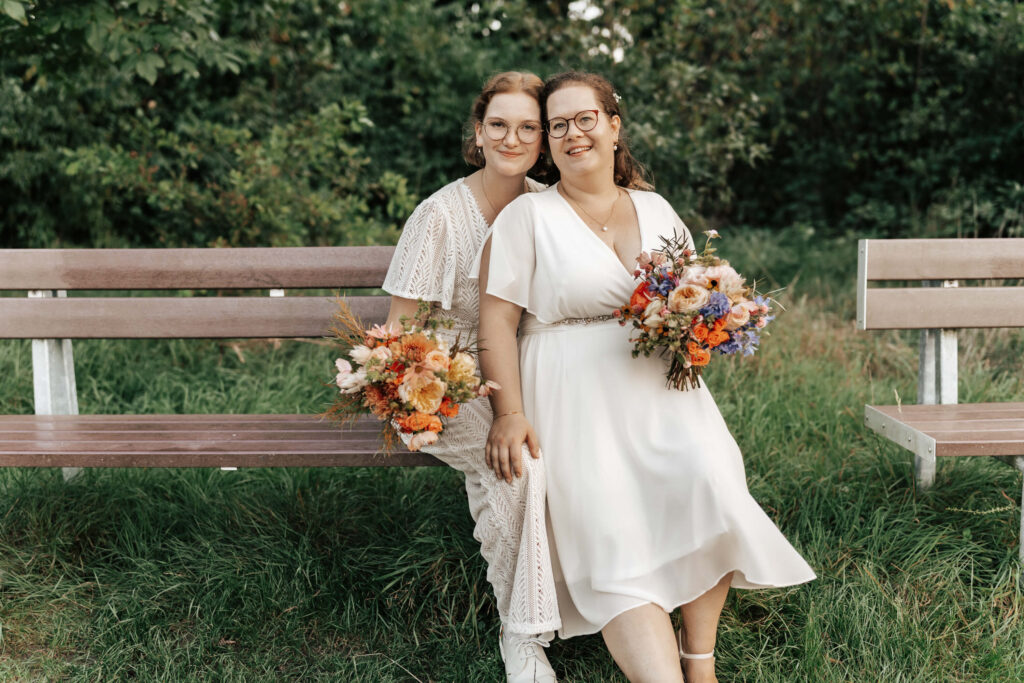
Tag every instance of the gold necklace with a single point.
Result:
(603, 224)
(483, 186)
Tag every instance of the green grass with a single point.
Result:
(373, 575)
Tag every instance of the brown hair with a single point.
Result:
(629, 172)
(505, 82)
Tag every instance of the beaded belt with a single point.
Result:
(535, 327)
(583, 321)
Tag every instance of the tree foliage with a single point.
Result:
(198, 122)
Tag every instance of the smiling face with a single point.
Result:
(510, 155)
(579, 153)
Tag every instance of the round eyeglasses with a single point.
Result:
(584, 120)
(527, 132)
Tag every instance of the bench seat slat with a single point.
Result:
(945, 259)
(234, 268)
(943, 308)
(954, 430)
(179, 317)
(194, 441)
(919, 412)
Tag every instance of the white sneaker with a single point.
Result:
(525, 661)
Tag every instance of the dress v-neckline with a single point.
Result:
(605, 246)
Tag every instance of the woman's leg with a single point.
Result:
(643, 645)
(700, 631)
(510, 524)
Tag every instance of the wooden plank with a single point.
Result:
(990, 447)
(101, 423)
(943, 308)
(911, 412)
(229, 268)
(944, 259)
(353, 458)
(194, 441)
(178, 317)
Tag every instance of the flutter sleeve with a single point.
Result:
(423, 265)
(513, 258)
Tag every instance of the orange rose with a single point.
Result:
(640, 297)
(700, 333)
(449, 408)
(422, 421)
(717, 336)
(698, 356)
(719, 324)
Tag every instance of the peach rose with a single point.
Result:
(462, 368)
(687, 297)
(436, 360)
(737, 318)
(422, 439)
(423, 390)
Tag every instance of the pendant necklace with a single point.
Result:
(604, 223)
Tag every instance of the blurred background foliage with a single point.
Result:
(226, 122)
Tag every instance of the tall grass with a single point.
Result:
(373, 575)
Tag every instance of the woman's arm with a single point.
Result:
(400, 306)
(499, 361)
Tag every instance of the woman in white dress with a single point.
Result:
(648, 503)
(431, 262)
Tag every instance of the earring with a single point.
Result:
(615, 147)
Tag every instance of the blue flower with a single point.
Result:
(717, 306)
(727, 348)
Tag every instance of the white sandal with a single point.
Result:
(686, 655)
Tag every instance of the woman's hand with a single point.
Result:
(505, 445)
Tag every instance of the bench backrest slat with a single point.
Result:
(934, 262)
(180, 317)
(944, 308)
(944, 259)
(229, 268)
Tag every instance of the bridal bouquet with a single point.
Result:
(689, 305)
(406, 376)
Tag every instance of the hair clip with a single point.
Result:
(617, 97)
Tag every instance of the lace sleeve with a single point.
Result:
(421, 267)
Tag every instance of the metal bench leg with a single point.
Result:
(53, 377)
(924, 471)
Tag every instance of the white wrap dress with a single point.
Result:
(647, 495)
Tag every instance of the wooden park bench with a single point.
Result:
(57, 436)
(939, 425)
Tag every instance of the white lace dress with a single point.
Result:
(647, 496)
(432, 262)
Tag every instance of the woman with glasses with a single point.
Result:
(431, 262)
(648, 503)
